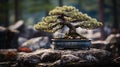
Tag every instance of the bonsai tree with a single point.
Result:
(67, 16)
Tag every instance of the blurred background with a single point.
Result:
(19, 16)
(31, 11)
(17, 19)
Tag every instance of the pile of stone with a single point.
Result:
(50, 57)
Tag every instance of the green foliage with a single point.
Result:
(66, 16)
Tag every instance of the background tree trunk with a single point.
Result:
(60, 2)
(101, 17)
(115, 16)
(4, 16)
(17, 10)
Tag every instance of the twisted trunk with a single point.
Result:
(72, 34)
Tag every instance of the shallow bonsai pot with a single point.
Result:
(71, 44)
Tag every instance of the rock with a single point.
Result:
(105, 44)
(69, 58)
(17, 25)
(117, 60)
(101, 55)
(50, 56)
(8, 54)
(8, 38)
(91, 58)
(3, 37)
(21, 40)
(43, 55)
(44, 65)
(24, 49)
(36, 43)
(58, 57)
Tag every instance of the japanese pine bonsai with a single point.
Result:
(67, 16)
